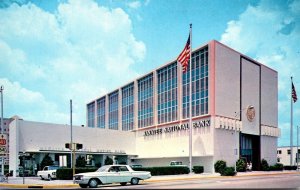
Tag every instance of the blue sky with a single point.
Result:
(54, 51)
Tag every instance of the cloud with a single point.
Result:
(79, 52)
(134, 4)
(270, 33)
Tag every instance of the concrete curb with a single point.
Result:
(39, 186)
(206, 177)
(57, 186)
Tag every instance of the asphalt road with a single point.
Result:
(268, 181)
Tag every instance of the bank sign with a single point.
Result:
(174, 128)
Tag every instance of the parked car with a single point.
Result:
(175, 163)
(48, 172)
(136, 166)
(122, 174)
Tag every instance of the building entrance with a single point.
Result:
(250, 149)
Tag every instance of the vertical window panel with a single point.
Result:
(199, 69)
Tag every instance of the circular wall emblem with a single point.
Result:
(250, 113)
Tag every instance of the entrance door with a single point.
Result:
(250, 149)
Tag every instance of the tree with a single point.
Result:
(47, 161)
(108, 161)
(80, 161)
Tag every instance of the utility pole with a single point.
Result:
(2, 126)
(72, 144)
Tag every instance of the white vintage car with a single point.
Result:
(48, 172)
(111, 174)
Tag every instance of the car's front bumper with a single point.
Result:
(82, 181)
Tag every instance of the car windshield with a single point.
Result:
(103, 169)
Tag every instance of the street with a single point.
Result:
(247, 180)
(268, 181)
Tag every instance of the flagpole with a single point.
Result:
(291, 133)
(190, 107)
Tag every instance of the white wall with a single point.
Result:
(226, 141)
(269, 97)
(28, 136)
(175, 144)
(227, 82)
(34, 136)
(285, 157)
(269, 149)
(13, 148)
(250, 96)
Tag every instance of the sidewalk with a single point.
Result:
(36, 182)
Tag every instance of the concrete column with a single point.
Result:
(120, 109)
(96, 114)
(135, 105)
(155, 83)
(106, 111)
(179, 91)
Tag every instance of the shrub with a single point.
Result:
(241, 165)
(289, 167)
(264, 165)
(67, 173)
(80, 162)
(198, 169)
(228, 171)
(219, 166)
(166, 170)
(276, 167)
(108, 161)
(47, 161)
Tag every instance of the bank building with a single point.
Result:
(146, 121)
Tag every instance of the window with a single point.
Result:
(101, 113)
(127, 107)
(279, 152)
(113, 110)
(145, 101)
(288, 151)
(123, 169)
(167, 104)
(91, 114)
(199, 68)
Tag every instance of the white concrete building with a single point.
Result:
(284, 155)
(234, 113)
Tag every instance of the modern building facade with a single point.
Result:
(234, 110)
(234, 115)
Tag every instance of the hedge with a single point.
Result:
(228, 171)
(276, 167)
(198, 169)
(289, 167)
(241, 165)
(67, 173)
(220, 165)
(264, 165)
(166, 170)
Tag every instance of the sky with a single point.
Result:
(54, 51)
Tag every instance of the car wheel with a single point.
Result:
(123, 183)
(83, 185)
(49, 177)
(134, 181)
(93, 183)
(41, 177)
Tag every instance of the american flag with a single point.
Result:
(294, 94)
(184, 56)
